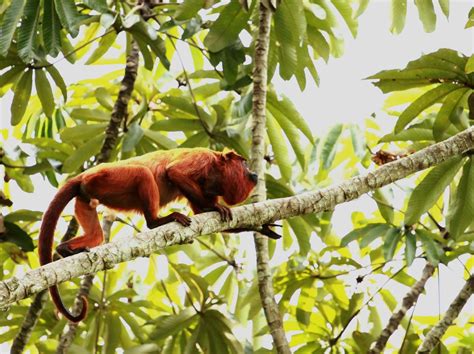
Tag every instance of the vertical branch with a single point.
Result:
(408, 301)
(434, 335)
(119, 114)
(37, 306)
(264, 275)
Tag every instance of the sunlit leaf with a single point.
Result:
(104, 98)
(449, 106)
(51, 28)
(461, 208)
(427, 14)
(44, 92)
(188, 9)
(83, 153)
(103, 46)
(279, 147)
(9, 23)
(224, 32)
(28, 29)
(398, 15)
(68, 15)
(410, 247)
(21, 97)
(392, 237)
(329, 148)
(433, 251)
(58, 80)
(421, 103)
(425, 194)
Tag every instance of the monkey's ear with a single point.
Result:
(231, 154)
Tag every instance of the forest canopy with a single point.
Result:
(164, 75)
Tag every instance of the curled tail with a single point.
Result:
(46, 238)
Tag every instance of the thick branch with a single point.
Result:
(246, 216)
(434, 335)
(408, 301)
(264, 273)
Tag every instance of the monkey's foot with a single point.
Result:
(175, 216)
(64, 250)
(181, 218)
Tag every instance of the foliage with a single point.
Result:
(202, 297)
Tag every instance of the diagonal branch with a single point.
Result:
(408, 301)
(247, 216)
(434, 335)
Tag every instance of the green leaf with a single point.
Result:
(147, 57)
(289, 111)
(104, 98)
(377, 229)
(224, 31)
(177, 124)
(374, 234)
(410, 134)
(161, 140)
(83, 153)
(398, 15)
(319, 43)
(58, 80)
(10, 76)
(329, 148)
(18, 236)
(292, 134)
(427, 14)
(68, 15)
(359, 143)
(470, 65)
(449, 106)
(21, 97)
(104, 45)
(384, 205)
(51, 28)
(425, 194)
(44, 92)
(188, 9)
(302, 234)
(444, 4)
(9, 23)
(461, 207)
(132, 137)
(410, 247)
(345, 9)
(173, 324)
(82, 132)
(279, 147)
(432, 249)
(28, 29)
(392, 237)
(23, 215)
(421, 103)
(93, 115)
(290, 23)
(288, 60)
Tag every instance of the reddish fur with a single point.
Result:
(144, 184)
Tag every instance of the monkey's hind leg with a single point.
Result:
(86, 215)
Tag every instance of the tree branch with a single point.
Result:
(259, 99)
(434, 335)
(247, 216)
(410, 298)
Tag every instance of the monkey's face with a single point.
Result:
(238, 179)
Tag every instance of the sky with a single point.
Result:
(343, 96)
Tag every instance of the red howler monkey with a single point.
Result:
(145, 184)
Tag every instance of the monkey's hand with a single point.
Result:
(224, 212)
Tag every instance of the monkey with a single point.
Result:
(145, 184)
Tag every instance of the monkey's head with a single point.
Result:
(237, 179)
